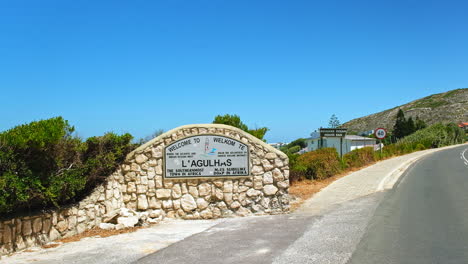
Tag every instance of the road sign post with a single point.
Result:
(380, 133)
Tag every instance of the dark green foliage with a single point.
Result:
(437, 135)
(301, 142)
(399, 130)
(258, 132)
(420, 124)
(43, 164)
(235, 121)
(404, 127)
(295, 146)
(103, 154)
(410, 127)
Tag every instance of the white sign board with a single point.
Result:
(380, 133)
(206, 156)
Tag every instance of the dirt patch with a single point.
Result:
(96, 232)
(50, 245)
(304, 189)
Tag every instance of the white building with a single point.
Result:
(350, 143)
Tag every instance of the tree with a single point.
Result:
(405, 127)
(235, 121)
(410, 126)
(230, 120)
(334, 122)
(399, 129)
(420, 124)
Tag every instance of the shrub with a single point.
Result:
(359, 157)
(235, 121)
(435, 136)
(103, 155)
(319, 164)
(295, 146)
(42, 164)
(297, 170)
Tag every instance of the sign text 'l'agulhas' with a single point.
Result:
(206, 156)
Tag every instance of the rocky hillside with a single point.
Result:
(451, 106)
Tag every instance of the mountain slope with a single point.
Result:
(451, 106)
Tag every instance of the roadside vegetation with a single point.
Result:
(315, 170)
(235, 121)
(324, 163)
(312, 171)
(43, 164)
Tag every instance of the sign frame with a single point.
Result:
(333, 132)
(249, 163)
(378, 129)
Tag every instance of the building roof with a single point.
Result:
(354, 137)
(348, 137)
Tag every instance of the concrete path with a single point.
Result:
(326, 229)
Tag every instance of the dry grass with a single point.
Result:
(305, 189)
(51, 245)
(96, 232)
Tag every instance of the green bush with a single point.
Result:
(319, 164)
(359, 157)
(235, 121)
(324, 163)
(435, 136)
(295, 146)
(42, 164)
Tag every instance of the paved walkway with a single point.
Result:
(326, 229)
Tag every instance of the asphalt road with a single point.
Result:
(425, 218)
(282, 239)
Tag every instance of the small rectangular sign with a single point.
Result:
(333, 132)
(206, 156)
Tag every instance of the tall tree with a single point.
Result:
(399, 129)
(334, 122)
(410, 126)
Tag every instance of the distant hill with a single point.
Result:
(451, 106)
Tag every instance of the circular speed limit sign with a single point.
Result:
(380, 133)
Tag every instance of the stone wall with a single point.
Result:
(139, 185)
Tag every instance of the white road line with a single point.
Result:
(390, 179)
(464, 157)
(395, 174)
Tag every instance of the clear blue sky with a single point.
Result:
(137, 66)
